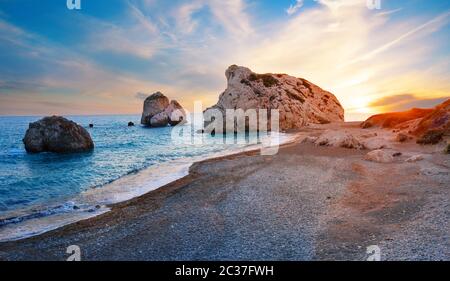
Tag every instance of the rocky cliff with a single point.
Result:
(428, 125)
(299, 101)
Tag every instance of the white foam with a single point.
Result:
(94, 202)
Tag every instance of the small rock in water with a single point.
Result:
(414, 158)
(130, 124)
(91, 125)
(379, 156)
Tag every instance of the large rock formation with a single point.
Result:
(159, 112)
(57, 134)
(299, 101)
(428, 125)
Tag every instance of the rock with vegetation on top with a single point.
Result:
(430, 126)
(57, 134)
(159, 112)
(299, 101)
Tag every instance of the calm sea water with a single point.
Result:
(32, 182)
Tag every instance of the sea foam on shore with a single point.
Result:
(40, 218)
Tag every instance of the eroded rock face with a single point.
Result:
(299, 101)
(428, 125)
(159, 112)
(57, 134)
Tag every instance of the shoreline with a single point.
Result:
(97, 201)
(305, 203)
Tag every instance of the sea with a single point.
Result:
(42, 192)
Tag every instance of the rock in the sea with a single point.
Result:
(339, 139)
(159, 112)
(414, 158)
(91, 125)
(379, 156)
(130, 124)
(153, 105)
(299, 101)
(57, 134)
(159, 120)
(176, 113)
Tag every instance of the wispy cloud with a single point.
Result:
(294, 7)
(406, 102)
(182, 48)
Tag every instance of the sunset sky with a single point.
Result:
(106, 57)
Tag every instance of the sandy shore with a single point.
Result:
(305, 203)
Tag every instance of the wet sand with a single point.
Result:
(305, 203)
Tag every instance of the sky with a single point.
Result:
(108, 56)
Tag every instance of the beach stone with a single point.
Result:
(309, 139)
(298, 101)
(379, 156)
(375, 143)
(368, 135)
(339, 139)
(57, 134)
(415, 158)
(153, 105)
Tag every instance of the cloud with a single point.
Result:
(405, 102)
(294, 7)
(182, 48)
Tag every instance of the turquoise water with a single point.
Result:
(48, 179)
